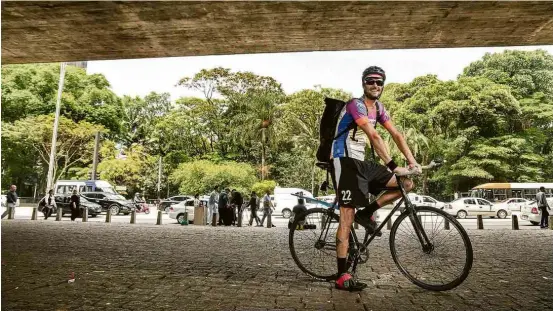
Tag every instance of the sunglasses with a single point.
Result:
(374, 81)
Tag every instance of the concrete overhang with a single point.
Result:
(70, 31)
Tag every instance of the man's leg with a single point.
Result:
(345, 280)
(387, 197)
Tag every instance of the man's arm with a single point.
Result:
(376, 141)
(400, 142)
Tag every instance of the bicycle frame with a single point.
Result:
(409, 208)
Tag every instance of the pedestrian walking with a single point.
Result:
(236, 205)
(268, 207)
(75, 205)
(48, 204)
(11, 200)
(212, 204)
(225, 213)
(544, 208)
(254, 206)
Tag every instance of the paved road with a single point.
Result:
(469, 223)
(146, 267)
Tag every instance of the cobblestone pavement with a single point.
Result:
(148, 267)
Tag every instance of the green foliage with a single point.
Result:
(202, 176)
(261, 187)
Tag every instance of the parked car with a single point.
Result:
(531, 213)
(512, 204)
(176, 211)
(115, 202)
(165, 204)
(423, 200)
(62, 201)
(463, 207)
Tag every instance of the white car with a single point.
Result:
(512, 204)
(463, 207)
(284, 200)
(430, 201)
(531, 213)
(176, 211)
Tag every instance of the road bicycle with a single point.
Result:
(429, 246)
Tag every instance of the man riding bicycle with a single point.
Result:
(354, 177)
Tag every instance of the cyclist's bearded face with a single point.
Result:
(373, 86)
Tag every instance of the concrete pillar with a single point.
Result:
(85, 215)
(479, 222)
(133, 216)
(446, 224)
(550, 222)
(59, 213)
(159, 218)
(108, 215)
(514, 221)
(35, 213)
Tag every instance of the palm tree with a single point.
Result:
(259, 111)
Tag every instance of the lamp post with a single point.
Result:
(50, 181)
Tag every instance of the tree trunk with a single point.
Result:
(263, 153)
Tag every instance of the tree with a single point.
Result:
(31, 90)
(75, 142)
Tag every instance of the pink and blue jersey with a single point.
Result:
(355, 111)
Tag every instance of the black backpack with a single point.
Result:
(327, 128)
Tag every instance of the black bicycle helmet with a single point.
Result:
(374, 70)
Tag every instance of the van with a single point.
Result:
(284, 200)
(67, 186)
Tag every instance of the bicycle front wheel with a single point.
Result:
(445, 262)
(312, 242)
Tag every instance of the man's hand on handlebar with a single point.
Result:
(412, 169)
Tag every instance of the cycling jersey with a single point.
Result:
(347, 145)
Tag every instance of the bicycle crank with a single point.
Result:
(362, 253)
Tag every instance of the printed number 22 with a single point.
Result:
(346, 195)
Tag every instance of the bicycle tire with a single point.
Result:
(328, 272)
(454, 225)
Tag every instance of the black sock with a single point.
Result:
(342, 265)
(369, 210)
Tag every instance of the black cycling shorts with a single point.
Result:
(356, 179)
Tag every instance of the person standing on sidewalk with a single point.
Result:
(49, 204)
(212, 204)
(544, 208)
(254, 205)
(75, 205)
(268, 207)
(11, 199)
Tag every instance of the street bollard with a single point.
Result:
(159, 219)
(59, 213)
(355, 226)
(479, 222)
(85, 215)
(550, 222)
(514, 221)
(108, 215)
(446, 224)
(133, 216)
(34, 216)
(389, 224)
(11, 212)
(269, 220)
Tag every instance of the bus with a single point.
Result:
(503, 191)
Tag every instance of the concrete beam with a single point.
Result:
(71, 31)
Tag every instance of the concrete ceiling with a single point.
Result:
(70, 31)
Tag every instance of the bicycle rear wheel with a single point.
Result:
(443, 265)
(313, 248)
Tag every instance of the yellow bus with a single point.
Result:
(503, 191)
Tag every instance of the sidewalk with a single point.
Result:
(148, 267)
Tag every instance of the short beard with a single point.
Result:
(371, 97)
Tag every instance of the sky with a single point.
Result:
(296, 71)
